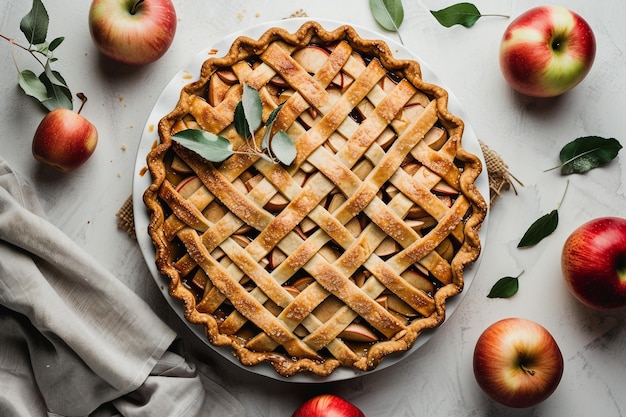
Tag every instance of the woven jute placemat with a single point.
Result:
(500, 180)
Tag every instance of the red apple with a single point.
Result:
(327, 405)
(546, 51)
(134, 32)
(64, 140)
(517, 362)
(594, 263)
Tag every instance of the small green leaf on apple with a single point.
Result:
(542, 227)
(464, 14)
(586, 153)
(505, 287)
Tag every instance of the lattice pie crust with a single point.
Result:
(349, 253)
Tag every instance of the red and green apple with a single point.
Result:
(593, 261)
(517, 362)
(546, 51)
(64, 140)
(133, 32)
(327, 405)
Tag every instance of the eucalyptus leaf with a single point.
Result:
(211, 147)
(252, 107)
(464, 14)
(32, 85)
(283, 147)
(505, 287)
(35, 24)
(388, 13)
(541, 228)
(586, 153)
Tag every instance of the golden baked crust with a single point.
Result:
(348, 253)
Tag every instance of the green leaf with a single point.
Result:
(35, 24)
(252, 107)
(59, 99)
(464, 14)
(32, 85)
(241, 124)
(541, 228)
(268, 126)
(273, 114)
(388, 13)
(586, 153)
(212, 147)
(54, 76)
(55, 43)
(59, 95)
(283, 147)
(505, 287)
(42, 48)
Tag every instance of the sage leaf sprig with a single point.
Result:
(464, 14)
(212, 147)
(388, 13)
(49, 88)
(542, 227)
(247, 120)
(586, 153)
(505, 287)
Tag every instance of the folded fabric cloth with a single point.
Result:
(74, 340)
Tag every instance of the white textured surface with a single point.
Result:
(528, 133)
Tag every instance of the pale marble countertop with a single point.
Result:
(528, 133)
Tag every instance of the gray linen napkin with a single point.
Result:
(74, 340)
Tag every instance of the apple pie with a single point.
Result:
(340, 255)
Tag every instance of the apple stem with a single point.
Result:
(133, 10)
(83, 98)
(528, 371)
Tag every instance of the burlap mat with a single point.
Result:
(500, 179)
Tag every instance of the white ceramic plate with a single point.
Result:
(142, 180)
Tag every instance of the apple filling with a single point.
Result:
(347, 254)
